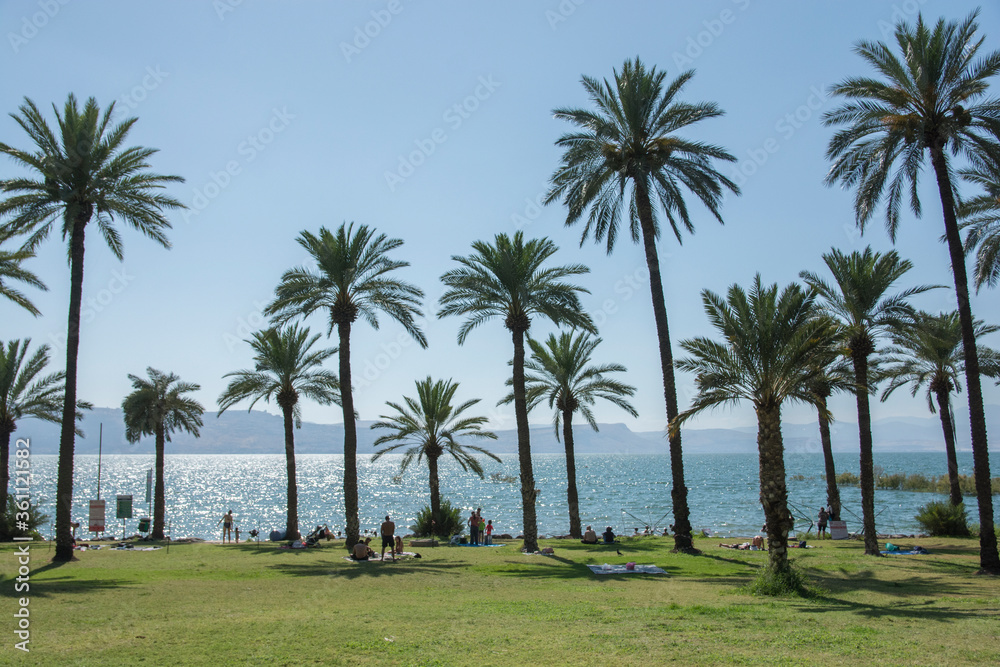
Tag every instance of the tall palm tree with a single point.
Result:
(628, 160)
(981, 217)
(285, 367)
(766, 357)
(11, 269)
(25, 393)
(558, 372)
(508, 280)
(833, 373)
(859, 302)
(929, 97)
(82, 173)
(928, 353)
(430, 426)
(351, 279)
(158, 407)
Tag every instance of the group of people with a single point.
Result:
(480, 530)
(394, 543)
(590, 537)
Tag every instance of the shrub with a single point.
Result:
(942, 519)
(848, 479)
(35, 519)
(449, 524)
(779, 583)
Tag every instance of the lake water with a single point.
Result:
(624, 491)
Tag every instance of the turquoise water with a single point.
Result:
(624, 491)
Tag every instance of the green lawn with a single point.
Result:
(215, 604)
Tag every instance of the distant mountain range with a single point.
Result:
(239, 432)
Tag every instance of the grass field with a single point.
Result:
(244, 604)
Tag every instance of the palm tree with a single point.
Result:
(430, 426)
(767, 356)
(11, 269)
(158, 407)
(627, 160)
(507, 280)
(351, 279)
(860, 304)
(981, 215)
(285, 367)
(558, 372)
(25, 393)
(84, 172)
(833, 373)
(929, 97)
(928, 353)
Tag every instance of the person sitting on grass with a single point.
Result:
(609, 536)
(361, 550)
(589, 537)
(399, 545)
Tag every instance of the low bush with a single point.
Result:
(449, 523)
(25, 525)
(942, 519)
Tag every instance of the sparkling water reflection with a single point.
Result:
(624, 491)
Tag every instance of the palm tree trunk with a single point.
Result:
(5, 434)
(773, 490)
(832, 490)
(67, 437)
(353, 527)
(571, 494)
(159, 491)
(678, 493)
(435, 485)
(528, 492)
(955, 491)
(989, 558)
(867, 473)
(292, 494)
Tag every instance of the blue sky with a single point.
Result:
(432, 123)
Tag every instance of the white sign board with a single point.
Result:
(96, 516)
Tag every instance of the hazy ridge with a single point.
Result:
(239, 432)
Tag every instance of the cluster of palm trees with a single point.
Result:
(625, 159)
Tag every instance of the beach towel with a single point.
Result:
(477, 545)
(915, 551)
(378, 557)
(623, 569)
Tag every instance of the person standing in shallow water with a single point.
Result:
(227, 526)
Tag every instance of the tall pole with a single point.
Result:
(100, 441)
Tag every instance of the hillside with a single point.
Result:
(238, 432)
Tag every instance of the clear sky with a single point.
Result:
(432, 122)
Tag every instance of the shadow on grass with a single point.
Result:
(62, 586)
(355, 570)
(556, 567)
(918, 611)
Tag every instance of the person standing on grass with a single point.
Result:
(473, 529)
(823, 517)
(388, 531)
(489, 533)
(227, 526)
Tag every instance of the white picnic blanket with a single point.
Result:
(621, 569)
